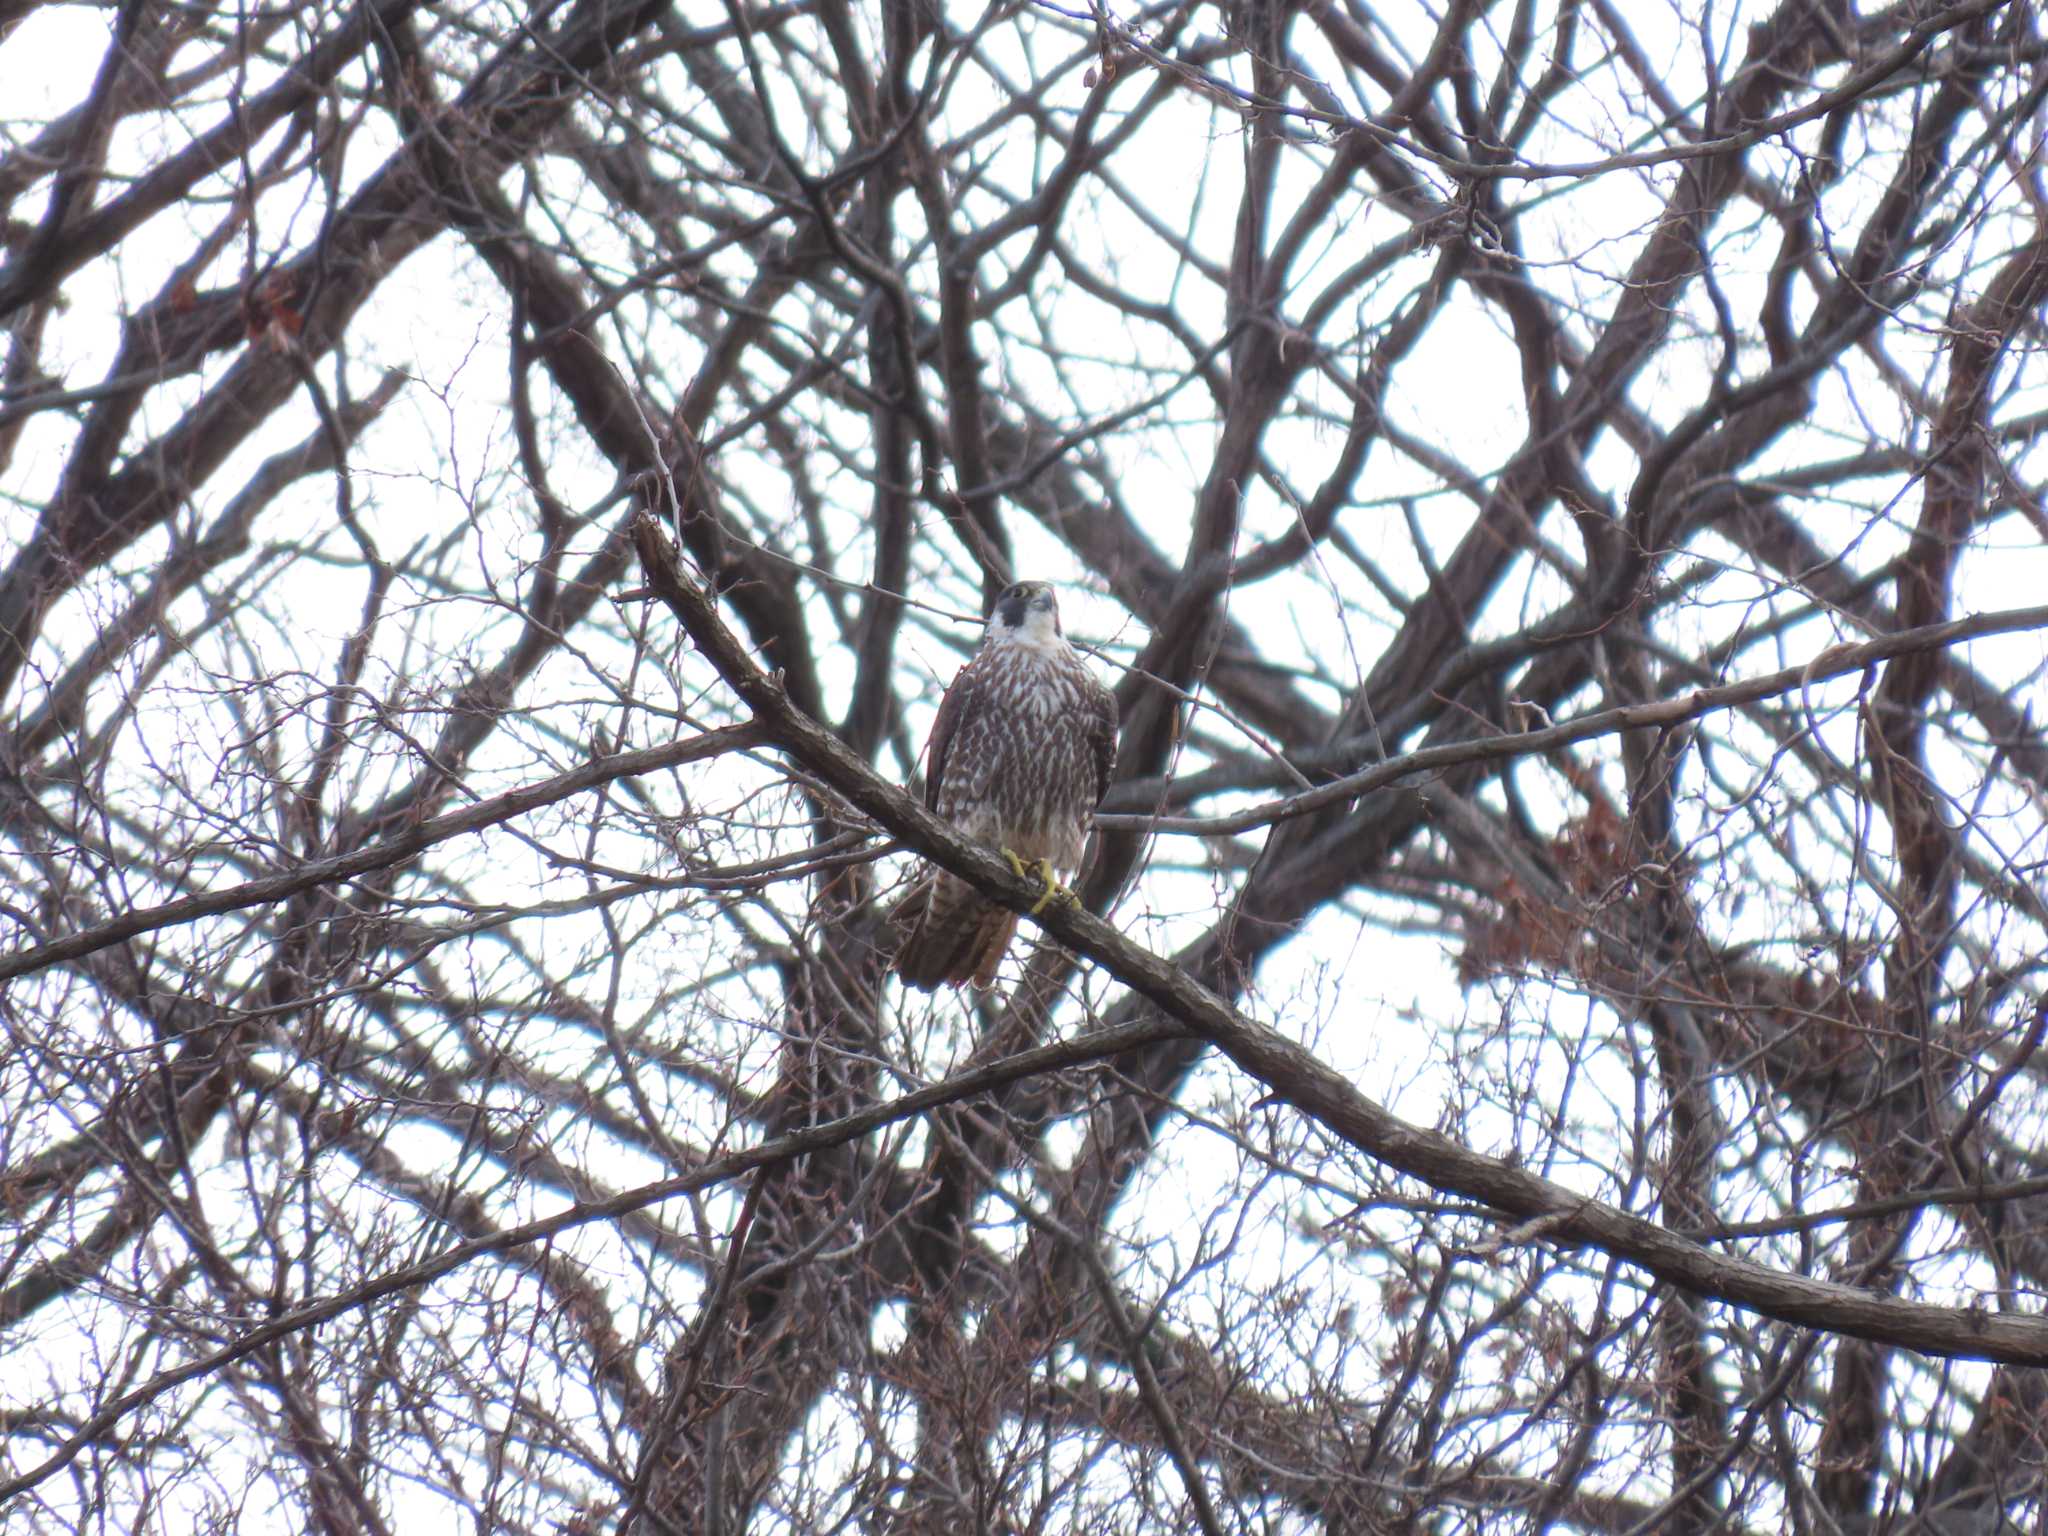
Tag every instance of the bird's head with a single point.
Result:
(1028, 614)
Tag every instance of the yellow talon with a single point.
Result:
(1043, 870)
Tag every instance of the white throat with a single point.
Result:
(1039, 632)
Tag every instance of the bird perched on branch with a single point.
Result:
(1019, 757)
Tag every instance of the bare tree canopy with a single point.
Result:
(1549, 1037)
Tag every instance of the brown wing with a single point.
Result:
(951, 933)
(1101, 736)
(960, 698)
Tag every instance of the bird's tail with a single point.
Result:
(951, 934)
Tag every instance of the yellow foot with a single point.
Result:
(1042, 868)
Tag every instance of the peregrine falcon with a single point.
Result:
(1020, 755)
